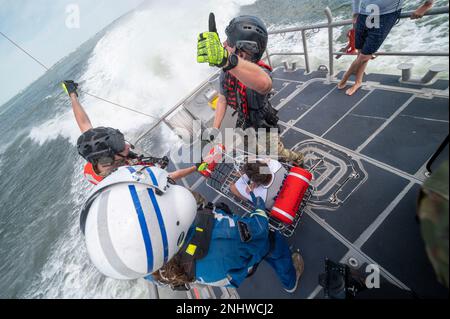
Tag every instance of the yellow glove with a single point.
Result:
(210, 50)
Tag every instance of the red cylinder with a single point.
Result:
(351, 41)
(291, 195)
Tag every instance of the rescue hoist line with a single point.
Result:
(87, 93)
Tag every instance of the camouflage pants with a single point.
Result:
(273, 141)
(433, 214)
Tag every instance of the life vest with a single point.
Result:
(91, 175)
(242, 99)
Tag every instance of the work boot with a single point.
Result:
(287, 155)
(299, 266)
(299, 162)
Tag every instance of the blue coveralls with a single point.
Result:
(230, 259)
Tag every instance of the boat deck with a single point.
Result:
(386, 132)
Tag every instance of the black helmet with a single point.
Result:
(249, 34)
(101, 143)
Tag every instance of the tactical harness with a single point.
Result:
(198, 247)
(254, 109)
(95, 178)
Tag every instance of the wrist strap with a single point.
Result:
(230, 66)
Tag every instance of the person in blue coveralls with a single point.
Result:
(138, 225)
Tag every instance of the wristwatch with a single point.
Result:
(233, 61)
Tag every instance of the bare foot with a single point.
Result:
(353, 89)
(341, 85)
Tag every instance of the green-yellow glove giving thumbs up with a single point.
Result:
(210, 50)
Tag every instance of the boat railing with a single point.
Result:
(172, 117)
(331, 25)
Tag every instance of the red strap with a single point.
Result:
(351, 41)
(264, 65)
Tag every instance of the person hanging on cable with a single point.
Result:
(139, 225)
(245, 83)
(105, 149)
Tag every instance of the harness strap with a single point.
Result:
(197, 248)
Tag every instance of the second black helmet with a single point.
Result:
(99, 143)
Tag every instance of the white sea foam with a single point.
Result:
(147, 62)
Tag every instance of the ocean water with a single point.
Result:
(146, 61)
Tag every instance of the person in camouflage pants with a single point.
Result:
(284, 154)
(269, 145)
(245, 83)
(433, 214)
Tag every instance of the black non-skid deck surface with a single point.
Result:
(311, 94)
(301, 103)
(284, 92)
(354, 129)
(366, 203)
(410, 139)
(402, 138)
(394, 80)
(291, 138)
(299, 75)
(398, 246)
(328, 111)
(315, 244)
(406, 143)
(371, 125)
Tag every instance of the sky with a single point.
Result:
(49, 30)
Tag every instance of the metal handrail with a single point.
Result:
(330, 25)
(163, 118)
(324, 25)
